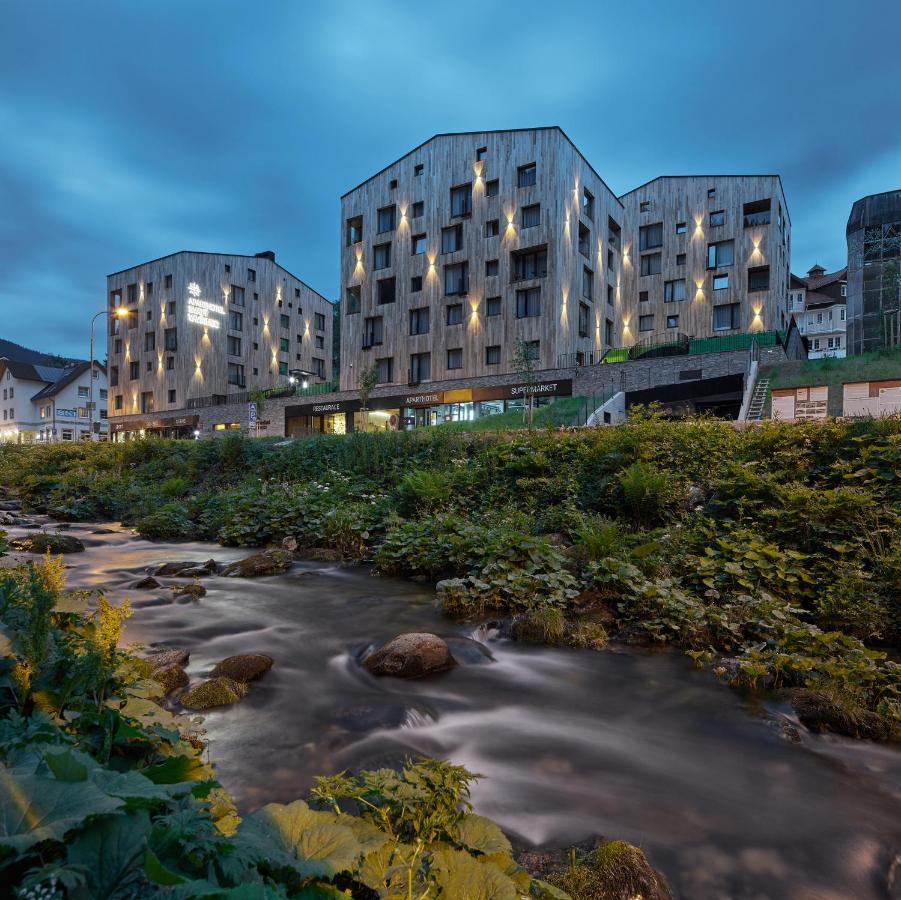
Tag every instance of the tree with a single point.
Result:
(524, 364)
(367, 380)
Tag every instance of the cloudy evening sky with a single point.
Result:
(132, 129)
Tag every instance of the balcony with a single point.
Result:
(752, 220)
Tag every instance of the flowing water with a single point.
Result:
(573, 744)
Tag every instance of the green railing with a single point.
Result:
(720, 344)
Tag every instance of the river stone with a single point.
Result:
(186, 568)
(215, 692)
(194, 590)
(266, 562)
(47, 543)
(10, 505)
(822, 714)
(244, 667)
(161, 657)
(148, 583)
(103, 531)
(170, 677)
(409, 656)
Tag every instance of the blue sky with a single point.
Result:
(132, 129)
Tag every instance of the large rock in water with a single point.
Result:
(195, 590)
(170, 677)
(42, 542)
(266, 562)
(186, 568)
(147, 583)
(244, 667)
(215, 692)
(160, 657)
(410, 656)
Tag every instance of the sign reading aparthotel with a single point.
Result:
(200, 311)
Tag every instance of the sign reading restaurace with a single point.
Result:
(200, 311)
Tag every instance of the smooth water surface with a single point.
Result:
(572, 744)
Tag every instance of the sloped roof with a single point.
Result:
(70, 375)
(29, 372)
(820, 281)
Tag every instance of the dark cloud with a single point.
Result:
(132, 130)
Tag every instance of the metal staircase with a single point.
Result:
(758, 399)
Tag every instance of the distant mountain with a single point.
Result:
(19, 353)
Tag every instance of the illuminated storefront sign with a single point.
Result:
(200, 311)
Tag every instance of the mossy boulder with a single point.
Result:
(821, 713)
(244, 667)
(171, 678)
(186, 568)
(215, 692)
(194, 590)
(410, 656)
(266, 562)
(160, 657)
(615, 870)
(43, 542)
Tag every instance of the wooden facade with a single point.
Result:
(205, 325)
(696, 212)
(480, 185)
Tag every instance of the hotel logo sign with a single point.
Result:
(200, 311)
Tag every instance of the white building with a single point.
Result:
(819, 307)
(49, 404)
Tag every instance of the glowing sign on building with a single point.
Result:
(200, 311)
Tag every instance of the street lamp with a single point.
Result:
(120, 312)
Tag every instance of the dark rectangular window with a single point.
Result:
(385, 291)
(456, 279)
(455, 358)
(587, 283)
(318, 367)
(492, 228)
(528, 303)
(481, 153)
(319, 321)
(726, 317)
(645, 323)
(757, 213)
(672, 321)
(251, 274)
(149, 340)
(643, 297)
(419, 320)
(384, 370)
(610, 294)
(530, 263)
(131, 293)
(420, 367)
(614, 233)
(284, 321)
(720, 282)
(234, 345)
(385, 219)
(674, 291)
(235, 320)
(455, 314)
(650, 236)
(491, 268)
(167, 281)
(451, 239)
(461, 200)
(584, 241)
(170, 363)
(170, 339)
(531, 215)
(147, 402)
(236, 374)
(418, 169)
(758, 279)
(681, 227)
(493, 355)
(284, 345)
(418, 210)
(717, 218)
(415, 284)
(720, 254)
(352, 299)
(354, 230)
(680, 259)
(492, 187)
(493, 306)
(373, 332)
(583, 320)
(526, 175)
(113, 376)
(651, 264)
(381, 256)
(236, 295)
(587, 204)
(608, 332)
(417, 244)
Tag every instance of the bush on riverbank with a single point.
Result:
(775, 547)
(103, 793)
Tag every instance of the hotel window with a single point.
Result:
(170, 308)
(373, 331)
(385, 220)
(354, 230)
(531, 215)
(418, 210)
(235, 320)
(711, 193)
(149, 316)
(134, 369)
(644, 206)
(461, 200)
(392, 185)
(720, 254)
(493, 355)
(481, 153)
(528, 303)
(352, 297)
(172, 395)
(284, 345)
(758, 279)
(252, 275)
(385, 291)
(455, 314)
(284, 321)
(117, 402)
(492, 228)
(234, 345)
(381, 256)
(170, 339)
(84, 391)
(170, 363)
(455, 358)
(492, 187)
(228, 269)
(680, 259)
(610, 295)
(529, 264)
(167, 282)
(672, 321)
(420, 367)
(651, 264)
(674, 291)
(720, 282)
(456, 279)
(584, 241)
(643, 297)
(493, 306)
(587, 283)
(726, 317)
(491, 268)
(147, 402)
(608, 332)
(319, 342)
(282, 368)
(296, 293)
(113, 376)
(717, 218)
(418, 169)
(645, 323)
(587, 204)
(148, 289)
(650, 236)
(583, 320)
(237, 295)
(842, 313)
(681, 227)
(384, 370)
(417, 244)
(419, 320)
(451, 239)
(131, 293)
(614, 233)
(526, 175)
(610, 263)
(844, 290)
(149, 341)
(757, 213)
(132, 320)
(115, 298)
(415, 284)
(319, 321)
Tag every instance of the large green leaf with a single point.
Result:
(312, 842)
(481, 835)
(457, 874)
(34, 808)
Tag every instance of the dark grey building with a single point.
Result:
(874, 272)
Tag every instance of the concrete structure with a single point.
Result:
(872, 398)
(818, 305)
(874, 272)
(705, 255)
(204, 329)
(49, 404)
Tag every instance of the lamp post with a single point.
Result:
(120, 312)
